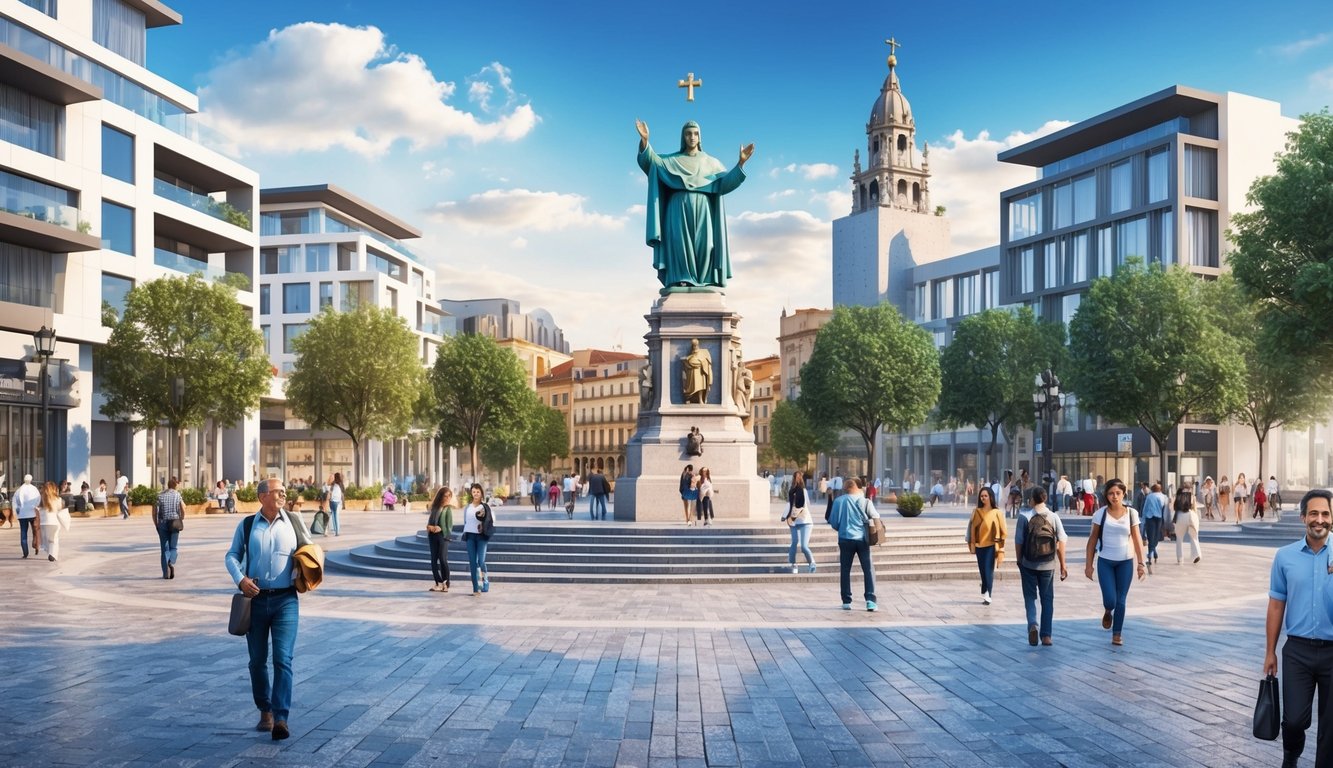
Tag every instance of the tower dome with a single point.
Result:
(891, 106)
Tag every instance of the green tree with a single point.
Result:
(479, 386)
(1280, 389)
(794, 437)
(548, 437)
(358, 372)
(1283, 255)
(870, 368)
(990, 366)
(1145, 349)
(537, 433)
(185, 330)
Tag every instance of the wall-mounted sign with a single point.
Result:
(1124, 442)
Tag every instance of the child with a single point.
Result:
(1260, 499)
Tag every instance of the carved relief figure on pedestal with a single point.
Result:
(696, 374)
(645, 387)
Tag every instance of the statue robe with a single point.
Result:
(687, 225)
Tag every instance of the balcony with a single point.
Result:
(170, 260)
(202, 203)
(33, 221)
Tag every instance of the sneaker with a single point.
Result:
(870, 606)
(985, 598)
(794, 569)
(1150, 566)
(812, 568)
(1106, 620)
(486, 584)
(846, 606)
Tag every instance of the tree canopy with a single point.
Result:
(536, 433)
(794, 437)
(358, 372)
(1283, 249)
(990, 366)
(1146, 349)
(479, 386)
(188, 329)
(870, 368)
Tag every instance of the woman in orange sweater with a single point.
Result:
(985, 538)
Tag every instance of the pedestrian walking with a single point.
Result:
(598, 489)
(850, 516)
(1187, 522)
(1260, 500)
(553, 495)
(439, 532)
(1039, 543)
(260, 563)
(336, 496)
(703, 508)
(27, 500)
(121, 491)
(689, 492)
(169, 521)
(1115, 545)
(535, 489)
(52, 504)
(1153, 515)
(800, 523)
(478, 523)
(1240, 493)
(985, 539)
(1274, 496)
(1298, 604)
(1209, 495)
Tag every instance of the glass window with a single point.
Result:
(346, 256)
(1122, 186)
(296, 297)
(1158, 174)
(1105, 254)
(290, 333)
(1069, 306)
(47, 7)
(1200, 172)
(317, 257)
(990, 289)
(31, 122)
(1085, 198)
(381, 263)
(120, 28)
(922, 308)
(1167, 237)
(941, 304)
(1053, 263)
(1078, 258)
(1064, 205)
(1025, 274)
(268, 347)
(117, 227)
(1025, 216)
(1131, 239)
(117, 154)
(279, 261)
(1201, 237)
(967, 295)
(114, 290)
(325, 295)
(265, 295)
(355, 293)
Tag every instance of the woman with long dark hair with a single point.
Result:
(478, 521)
(798, 518)
(704, 507)
(439, 532)
(1115, 545)
(689, 492)
(335, 500)
(985, 538)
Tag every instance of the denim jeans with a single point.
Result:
(439, 557)
(986, 564)
(800, 537)
(859, 548)
(1152, 531)
(166, 539)
(596, 502)
(703, 509)
(1114, 577)
(277, 616)
(476, 557)
(334, 506)
(24, 524)
(1038, 583)
(124, 500)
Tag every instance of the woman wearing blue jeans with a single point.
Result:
(798, 517)
(474, 517)
(1115, 545)
(335, 502)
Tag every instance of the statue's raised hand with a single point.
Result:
(746, 151)
(642, 128)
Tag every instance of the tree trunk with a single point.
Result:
(990, 454)
(1262, 439)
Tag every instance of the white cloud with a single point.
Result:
(778, 259)
(519, 243)
(967, 180)
(522, 209)
(837, 203)
(433, 170)
(483, 85)
(807, 171)
(341, 86)
(1296, 47)
(781, 194)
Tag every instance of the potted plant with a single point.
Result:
(247, 499)
(195, 500)
(142, 498)
(910, 504)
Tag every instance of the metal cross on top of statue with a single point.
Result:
(689, 84)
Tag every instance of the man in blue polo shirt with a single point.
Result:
(1301, 572)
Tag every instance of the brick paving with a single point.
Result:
(108, 664)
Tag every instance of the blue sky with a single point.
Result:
(505, 130)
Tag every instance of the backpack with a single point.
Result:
(1039, 539)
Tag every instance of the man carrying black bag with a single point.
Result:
(1297, 595)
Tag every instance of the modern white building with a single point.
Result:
(103, 186)
(324, 247)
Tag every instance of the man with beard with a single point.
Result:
(1296, 603)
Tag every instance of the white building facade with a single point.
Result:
(103, 186)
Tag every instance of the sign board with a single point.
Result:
(1124, 442)
(1036, 445)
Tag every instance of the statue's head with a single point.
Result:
(690, 138)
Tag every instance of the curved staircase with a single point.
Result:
(608, 553)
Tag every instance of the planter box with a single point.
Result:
(247, 507)
(145, 510)
(196, 509)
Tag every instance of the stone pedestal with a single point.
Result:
(657, 453)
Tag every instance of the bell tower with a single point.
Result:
(896, 176)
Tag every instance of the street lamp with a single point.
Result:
(44, 342)
(1046, 403)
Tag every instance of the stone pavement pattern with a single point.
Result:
(108, 664)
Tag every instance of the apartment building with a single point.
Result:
(323, 247)
(103, 185)
(598, 391)
(766, 373)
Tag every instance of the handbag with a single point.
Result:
(238, 623)
(178, 524)
(63, 519)
(1267, 710)
(874, 529)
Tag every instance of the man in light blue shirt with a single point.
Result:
(1297, 602)
(262, 569)
(850, 517)
(1154, 515)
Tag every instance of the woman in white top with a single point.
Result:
(1115, 533)
(1240, 493)
(704, 509)
(335, 500)
(798, 517)
(52, 503)
(476, 534)
(99, 496)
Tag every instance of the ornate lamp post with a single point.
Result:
(1046, 403)
(44, 342)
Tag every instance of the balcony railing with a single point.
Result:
(186, 264)
(202, 203)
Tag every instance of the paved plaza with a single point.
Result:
(108, 664)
